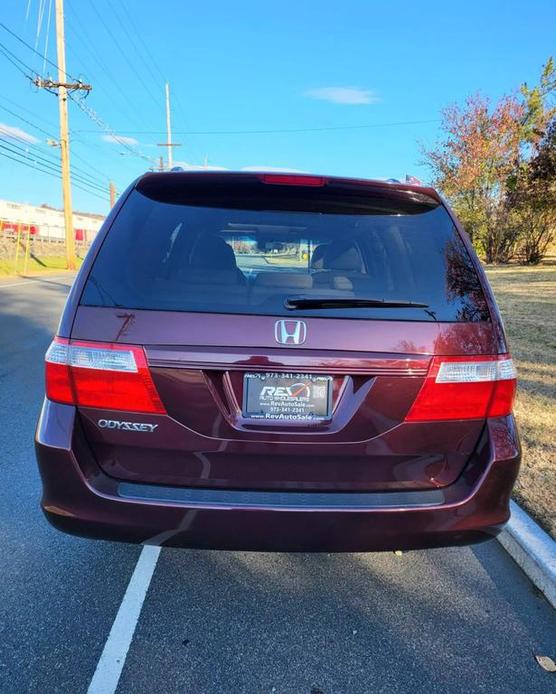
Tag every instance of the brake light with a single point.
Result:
(293, 180)
(58, 380)
(102, 375)
(466, 388)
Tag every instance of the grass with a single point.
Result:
(527, 299)
(34, 265)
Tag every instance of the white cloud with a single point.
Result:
(120, 139)
(255, 169)
(199, 167)
(271, 169)
(344, 95)
(16, 133)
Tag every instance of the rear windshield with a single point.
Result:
(259, 253)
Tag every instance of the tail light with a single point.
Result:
(294, 180)
(465, 388)
(102, 375)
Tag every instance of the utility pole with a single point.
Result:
(112, 191)
(168, 127)
(168, 144)
(63, 86)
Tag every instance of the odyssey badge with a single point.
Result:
(126, 426)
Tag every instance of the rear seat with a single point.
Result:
(341, 268)
(211, 275)
(267, 284)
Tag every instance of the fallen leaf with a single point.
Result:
(546, 663)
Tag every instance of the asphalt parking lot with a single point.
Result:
(437, 621)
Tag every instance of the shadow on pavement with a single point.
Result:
(431, 621)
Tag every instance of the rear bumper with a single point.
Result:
(80, 499)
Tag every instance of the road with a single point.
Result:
(437, 621)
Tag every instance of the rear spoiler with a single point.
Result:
(183, 186)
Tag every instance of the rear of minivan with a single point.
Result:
(279, 362)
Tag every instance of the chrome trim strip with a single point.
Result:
(228, 498)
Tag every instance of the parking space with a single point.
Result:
(437, 621)
(425, 621)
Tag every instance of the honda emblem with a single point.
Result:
(290, 332)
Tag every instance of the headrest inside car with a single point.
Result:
(213, 253)
(343, 255)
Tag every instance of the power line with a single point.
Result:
(26, 70)
(93, 115)
(141, 49)
(63, 88)
(138, 44)
(14, 60)
(28, 122)
(27, 110)
(49, 134)
(145, 51)
(28, 45)
(79, 175)
(40, 15)
(78, 28)
(139, 53)
(275, 130)
(46, 168)
(47, 35)
(49, 173)
(48, 162)
(125, 56)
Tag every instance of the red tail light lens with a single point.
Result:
(293, 180)
(465, 388)
(58, 379)
(102, 375)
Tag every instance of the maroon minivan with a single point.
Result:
(258, 361)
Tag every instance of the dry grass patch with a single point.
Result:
(527, 300)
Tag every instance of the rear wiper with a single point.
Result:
(309, 302)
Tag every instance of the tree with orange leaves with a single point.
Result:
(484, 156)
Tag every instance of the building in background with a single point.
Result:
(45, 222)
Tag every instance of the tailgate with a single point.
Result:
(205, 439)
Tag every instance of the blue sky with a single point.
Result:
(248, 66)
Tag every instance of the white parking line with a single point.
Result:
(112, 660)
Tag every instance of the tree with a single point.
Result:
(472, 164)
(484, 165)
(538, 113)
(533, 201)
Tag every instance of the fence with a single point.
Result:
(19, 248)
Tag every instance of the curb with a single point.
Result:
(532, 549)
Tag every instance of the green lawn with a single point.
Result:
(34, 265)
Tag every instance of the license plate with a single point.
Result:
(287, 396)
